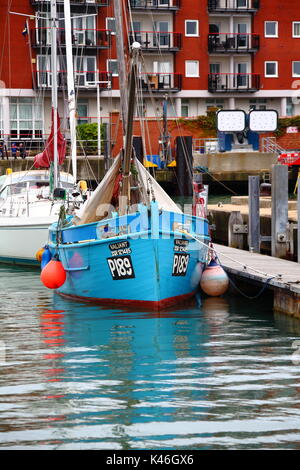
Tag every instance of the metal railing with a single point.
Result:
(161, 82)
(98, 38)
(232, 82)
(270, 145)
(73, 2)
(233, 5)
(233, 42)
(154, 41)
(83, 79)
(205, 145)
(155, 4)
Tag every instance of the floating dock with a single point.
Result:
(279, 275)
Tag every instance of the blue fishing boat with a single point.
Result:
(131, 244)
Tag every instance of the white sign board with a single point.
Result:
(292, 130)
(263, 121)
(231, 121)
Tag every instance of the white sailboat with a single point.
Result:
(28, 199)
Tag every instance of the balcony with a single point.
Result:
(232, 43)
(157, 41)
(73, 3)
(84, 79)
(233, 82)
(161, 82)
(234, 6)
(160, 5)
(88, 38)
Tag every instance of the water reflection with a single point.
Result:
(79, 376)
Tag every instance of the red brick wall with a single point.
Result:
(284, 49)
(15, 66)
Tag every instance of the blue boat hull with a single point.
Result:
(150, 270)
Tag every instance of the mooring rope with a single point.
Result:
(212, 249)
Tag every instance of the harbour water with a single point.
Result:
(221, 375)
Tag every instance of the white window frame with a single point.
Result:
(293, 29)
(37, 116)
(197, 29)
(113, 33)
(293, 73)
(276, 29)
(189, 75)
(271, 62)
(108, 68)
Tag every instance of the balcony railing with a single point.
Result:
(233, 5)
(92, 38)
(83, 79)
(155, 41)
(233, 42)
(233, 82)
(161, 82)
(85, 3)
(155, 4)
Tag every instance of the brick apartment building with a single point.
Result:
(235, 54)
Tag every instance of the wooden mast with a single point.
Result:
(121, 62)
(124, 199)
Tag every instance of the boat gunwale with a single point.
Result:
(135, 235)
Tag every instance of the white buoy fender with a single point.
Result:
(214, 280)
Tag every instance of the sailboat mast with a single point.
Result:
(125, 196)
(53, 13)
(71, 87)
(121, 62)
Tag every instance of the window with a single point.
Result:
(185, 108)
(296, 69)
(296, 29)
(258, 104)
(85, 70)
(271, 69)
(25, 118)
(112, 67)
(191, 28)
(290, 109)
(111, 25)
(82, 111)
(271, 29)
(212, 103)
(192, 68)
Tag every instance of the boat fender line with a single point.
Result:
(215, 256)
(46, 256)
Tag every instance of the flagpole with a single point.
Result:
(54, 86)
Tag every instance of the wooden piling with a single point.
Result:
(280, 211)
(254, 216)
(235, 239)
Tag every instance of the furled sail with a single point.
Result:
(103, 200)
(43, 159)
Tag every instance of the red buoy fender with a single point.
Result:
(53, 275)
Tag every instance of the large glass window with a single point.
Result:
(26, 118)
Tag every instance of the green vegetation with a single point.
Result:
(87, 134)
(206, 123)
